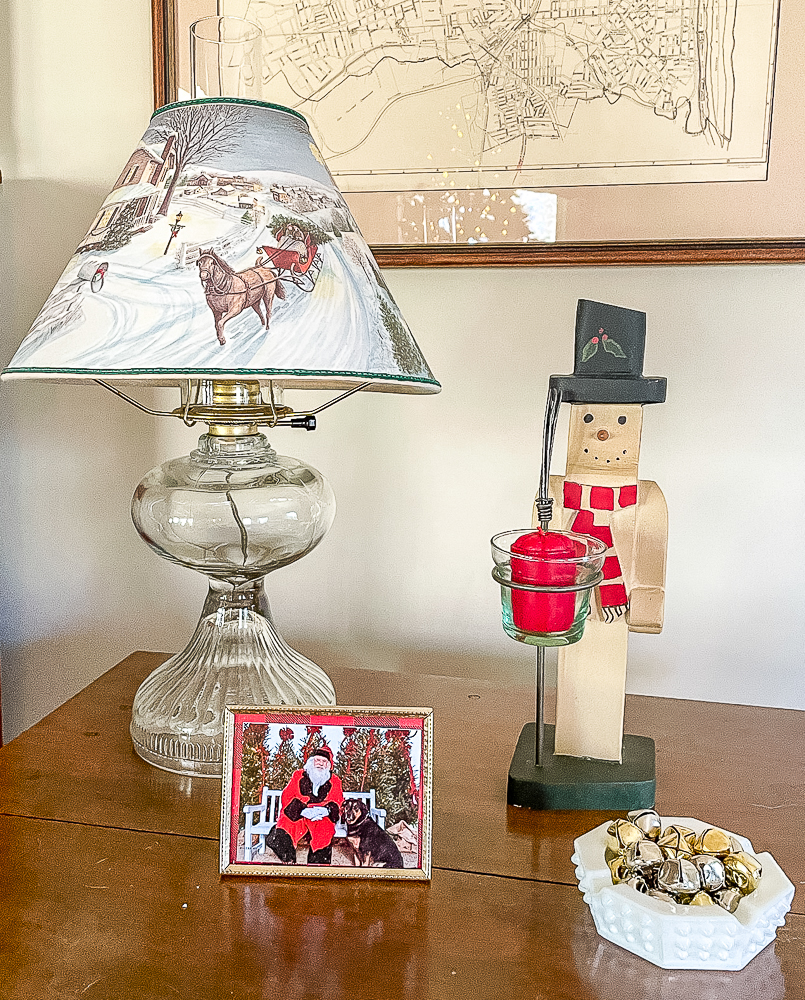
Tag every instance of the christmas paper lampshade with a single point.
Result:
(224, 250)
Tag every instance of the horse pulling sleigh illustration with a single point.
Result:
(230, 292)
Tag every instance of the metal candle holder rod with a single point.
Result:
(544, 505)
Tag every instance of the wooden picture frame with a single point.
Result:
(337, 792)
(750, 234)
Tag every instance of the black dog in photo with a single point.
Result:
(374, 848)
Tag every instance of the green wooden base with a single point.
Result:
(578, 782)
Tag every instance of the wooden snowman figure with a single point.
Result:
(601, 495)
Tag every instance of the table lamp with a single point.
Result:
(225, 262)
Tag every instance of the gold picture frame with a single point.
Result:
(327, 791)
(753, 221)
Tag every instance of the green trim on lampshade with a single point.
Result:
(96, 373)
(230, 100)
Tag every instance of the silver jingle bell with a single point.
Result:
(711, 871)
(643, 857)
(648, 820)
(639, 883)
(729, 899)
(679, 877)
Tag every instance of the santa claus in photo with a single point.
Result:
(310, 803)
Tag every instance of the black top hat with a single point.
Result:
(610, 344)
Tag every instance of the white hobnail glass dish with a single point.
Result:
(678, 936)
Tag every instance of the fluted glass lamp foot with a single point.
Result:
(236, 656)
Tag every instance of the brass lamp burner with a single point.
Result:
(233, 409)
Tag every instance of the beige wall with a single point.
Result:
(421, 482)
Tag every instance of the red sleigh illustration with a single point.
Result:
(296, 259)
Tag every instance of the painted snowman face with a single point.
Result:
(604, 438)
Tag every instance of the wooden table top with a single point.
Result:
(110, 883)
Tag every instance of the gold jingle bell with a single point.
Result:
(648, 820)
(743, 872)
(677, 838)
(619, 870)
(711, 871)
(713, 841)
(644, 856)
(676, 852)
(679, 877)
(621, 833)
(729, 899)
(702, 898)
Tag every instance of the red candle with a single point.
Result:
(535, 611)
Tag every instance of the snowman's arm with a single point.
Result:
(647, 596)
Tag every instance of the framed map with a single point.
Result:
(549, 131)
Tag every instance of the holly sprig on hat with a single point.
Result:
(602, 340)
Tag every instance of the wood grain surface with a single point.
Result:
(100, 852)
(106, 914)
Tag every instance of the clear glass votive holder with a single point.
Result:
(545, 597)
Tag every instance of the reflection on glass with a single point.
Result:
(475, 216)
(539, 208)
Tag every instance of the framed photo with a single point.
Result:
(467, 133)
(320, 791)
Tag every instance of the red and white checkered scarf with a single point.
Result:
(587, 500)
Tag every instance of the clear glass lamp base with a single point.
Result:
(233, 510)
(236, 656)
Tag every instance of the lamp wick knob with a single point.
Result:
(308, 422)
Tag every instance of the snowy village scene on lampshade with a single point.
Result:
(224, 249)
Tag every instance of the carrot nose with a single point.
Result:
(602, 435)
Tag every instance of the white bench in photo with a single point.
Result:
(261, 818)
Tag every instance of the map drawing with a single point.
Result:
(425, 94)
